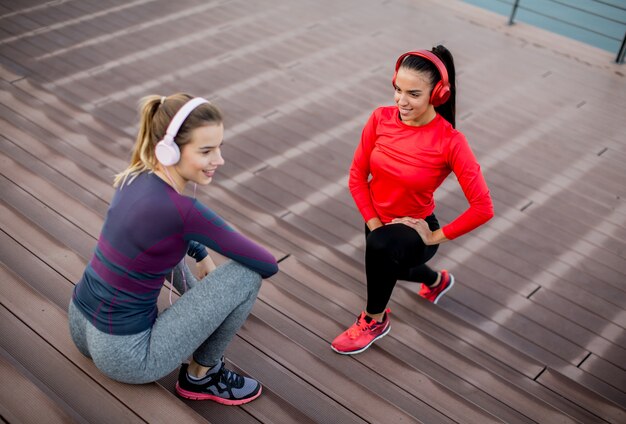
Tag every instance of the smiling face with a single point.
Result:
(201, 156)
(412, 96)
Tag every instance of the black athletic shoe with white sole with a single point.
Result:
(220, 385)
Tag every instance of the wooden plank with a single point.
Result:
(103, 169)
(603, 328)
(289, 196)
(533, 348)
(56, 287)
(612, 374)
(275, 137)
(511, 264)
(491, 269)
(24, 401)
(71, 186)
(570, 183)
(76, 146)
(47, 194)
(570, 169)
(585, 379)
(561, 336)
(574, 212)
(512, 304)
(53, 224)
(544, 251)
(527, 325)
(72, 117)
(599, 307)
(561, 242)
(505, 184)
(38, 243)
(9, 75)
(603, 265)
(245, 191)
(596, 404)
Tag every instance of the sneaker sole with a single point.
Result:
(440, 295)
(200, 396)
(354, 352)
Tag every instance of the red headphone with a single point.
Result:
(441, 91)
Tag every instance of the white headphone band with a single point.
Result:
(166, 150)
(181, 115)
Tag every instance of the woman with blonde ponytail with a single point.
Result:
(149, 228)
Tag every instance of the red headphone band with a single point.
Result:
(441, 91)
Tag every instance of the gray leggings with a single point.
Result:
(202, 322)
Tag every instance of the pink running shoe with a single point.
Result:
(361, 334)
(433, 295)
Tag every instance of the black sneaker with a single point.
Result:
(220, 385)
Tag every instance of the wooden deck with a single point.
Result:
(534, 331)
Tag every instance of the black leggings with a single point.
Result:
(396, 252)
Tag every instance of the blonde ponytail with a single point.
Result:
(143, 158)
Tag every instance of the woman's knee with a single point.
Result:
(396, 242)
(380, 240)
(242, 274)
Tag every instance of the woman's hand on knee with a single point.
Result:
(421, 226)
(204, 267)
(418, 225)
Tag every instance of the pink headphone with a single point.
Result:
(441, 91)
(167, 151)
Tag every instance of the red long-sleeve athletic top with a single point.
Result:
(407, 164)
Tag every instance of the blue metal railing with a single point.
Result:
(607, 5)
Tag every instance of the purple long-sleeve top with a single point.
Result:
(148, 229)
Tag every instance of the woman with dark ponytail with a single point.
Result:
(149, 227)
(406, 152)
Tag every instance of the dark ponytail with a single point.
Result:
(421, 64)
(448, 109)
